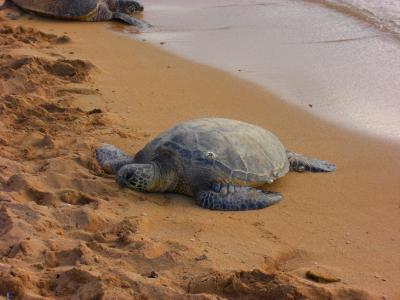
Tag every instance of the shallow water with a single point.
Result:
(335, 66)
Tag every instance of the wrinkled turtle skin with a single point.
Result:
(85, 10)
(219, 162)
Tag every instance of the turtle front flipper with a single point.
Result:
(130, 20)
(111, 159)
(301, 163)
(230, 198)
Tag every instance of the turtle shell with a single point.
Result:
(237, 151)
(70, 9)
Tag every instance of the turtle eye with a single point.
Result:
(128, 176)
(125, 176)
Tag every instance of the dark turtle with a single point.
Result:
(85, 10)
(219, 162)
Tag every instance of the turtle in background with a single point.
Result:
(219, 162)
(85, 10)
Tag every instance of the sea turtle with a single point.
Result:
(219, 162)
(85, 10)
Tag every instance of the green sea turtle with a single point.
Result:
(85, 10)
(219, 162)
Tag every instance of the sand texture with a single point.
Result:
(67, 231)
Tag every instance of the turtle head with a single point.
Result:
(129, 6)
(150, 177)
(141, 177)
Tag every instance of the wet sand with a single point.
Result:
(69, 231)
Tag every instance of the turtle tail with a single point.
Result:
(301, 163)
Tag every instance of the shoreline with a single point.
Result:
(322, 219)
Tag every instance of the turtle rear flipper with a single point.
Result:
(301, 163)
(130, 20)
(231, 198)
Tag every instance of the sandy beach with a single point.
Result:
(69, 232)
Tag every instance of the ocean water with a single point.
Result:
(317, 57)
(385, 14)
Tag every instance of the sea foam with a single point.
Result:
(384, 14)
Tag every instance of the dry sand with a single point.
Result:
(68, 231)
